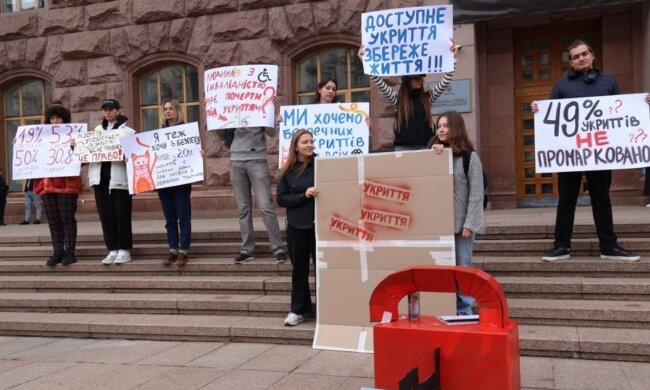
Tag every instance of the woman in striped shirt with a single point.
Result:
(412, 104)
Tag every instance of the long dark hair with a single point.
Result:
(321, 85)
(292, 158)
(404, 102)
(457, 137)
(57, 109)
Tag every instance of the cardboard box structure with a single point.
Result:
(376, 214)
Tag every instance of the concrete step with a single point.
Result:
(260, 266)
(585, 342)
(139, 251)
(535, 340)
(563, 287)
(594, 313)
(537, 247)
(259, 285)
(578, 266)
(590, 313)
(147, 303)
(157, 327)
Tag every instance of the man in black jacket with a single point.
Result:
(584, 80)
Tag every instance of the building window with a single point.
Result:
(340, 63)
(21, 5)
(24, 104)
(170, 81)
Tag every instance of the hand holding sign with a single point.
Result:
(595, 133)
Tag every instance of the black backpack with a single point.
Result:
(466, 158)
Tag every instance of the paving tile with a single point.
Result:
(297, 381)
(181, 354)
(230, 356)
(334, 363)
(14, 345)
(76, 376)
(29, 372)
(246, 379)
(186, 378)
(114, 351)
(283, 358)
(56, 347)
(125, 377)
(578, 374)
(638, 374)
(357, 383)
(537, 372)
(6, 365)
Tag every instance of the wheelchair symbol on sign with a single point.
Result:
(263, 77)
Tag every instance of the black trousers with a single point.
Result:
(3, 204)
(302, 251)
(114, 209)
(601, 207)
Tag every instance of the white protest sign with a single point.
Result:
(339, 129)
(44, 151)
(407, 41)
(97, 146)
(163, 158)
(588, 134)
(240, 96)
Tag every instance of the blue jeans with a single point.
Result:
(254, 175)
(177, 209)
(32, 198)
(464, 247)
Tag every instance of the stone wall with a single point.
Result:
(85, 47)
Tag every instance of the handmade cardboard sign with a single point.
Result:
(339, 129)
(376, 214)
(163, 158)
(407, 41)
(590, 134)
(98, 146)
(44, 151)
(240, 96)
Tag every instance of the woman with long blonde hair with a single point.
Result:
(296, 192)
(175, 201)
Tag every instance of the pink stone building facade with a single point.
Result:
(82, 51)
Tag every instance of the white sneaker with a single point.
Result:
(110, 258)
(123, 256)
(293, 319)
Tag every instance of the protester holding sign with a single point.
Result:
(114, 203)
(584, 80)
(468, 192)
(412, 104)
(296, 192)
(326, 91)
(175, 201)
(59, 195)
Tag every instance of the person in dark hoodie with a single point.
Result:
(175, 201)
(59, 195)
(412, 104)
(114, 203)
(296, 192)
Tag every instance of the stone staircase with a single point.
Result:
(580, 308)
